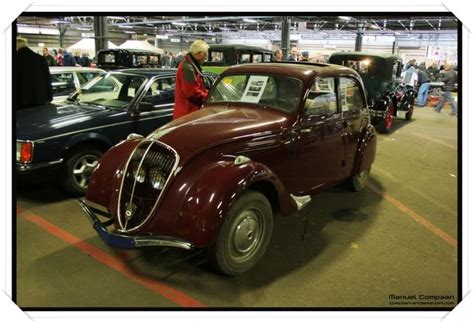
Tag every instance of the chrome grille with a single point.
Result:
(146, 175)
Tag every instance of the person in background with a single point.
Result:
(277, 55)
(449, 79)
(411, 62)
(180, 57)
(60, 57)
(190, 90)
(294, 55)
(85, 61)
(49, 59)
(433, 72)
(409, 78)
(424, 86)
(77, 57)
(33, 81)
(68, 59)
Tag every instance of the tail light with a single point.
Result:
(24, 152)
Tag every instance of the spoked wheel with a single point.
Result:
(244, 236)
(360, 180)
(409, 113)
(78, 169)
(386, 123)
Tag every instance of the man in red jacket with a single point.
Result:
(190, 91)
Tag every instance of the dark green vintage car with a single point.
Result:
(222, 56)
(380, 74)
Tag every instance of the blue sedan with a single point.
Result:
(71, 138)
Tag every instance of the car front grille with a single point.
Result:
(146, 175)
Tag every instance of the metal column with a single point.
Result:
(101, 33)
(285, 36)
(360, 29)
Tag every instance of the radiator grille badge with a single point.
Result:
(130, 210)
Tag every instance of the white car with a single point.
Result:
(67, 79)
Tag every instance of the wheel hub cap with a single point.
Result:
(246, 236)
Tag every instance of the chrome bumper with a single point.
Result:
(130, 242)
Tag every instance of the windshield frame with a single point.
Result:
(295, 109)
(73, 97)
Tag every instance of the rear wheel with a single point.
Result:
(409, 113)
(244, 236)
(359, 181)
(386, 123)
(78, 168)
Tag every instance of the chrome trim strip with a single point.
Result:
(301, 201)
(29, 167)
(173, 173)
(94, 128)
(95, 205)
(138, 241)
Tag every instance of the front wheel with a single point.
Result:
(244, 236)
(359, 181)
(78, 168)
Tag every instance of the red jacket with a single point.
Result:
(190, 91)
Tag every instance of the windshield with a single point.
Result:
(280, 92)
(112, 90)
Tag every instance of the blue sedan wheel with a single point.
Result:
(79, 168)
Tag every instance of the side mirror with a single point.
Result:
(145, 106)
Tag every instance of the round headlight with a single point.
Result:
(157, 179)
(138, 174)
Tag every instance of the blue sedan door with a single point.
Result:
(155, 108)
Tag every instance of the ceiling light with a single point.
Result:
(125, 26)
(344, 18)
(250, 20)
(129, 32)
(115, 17)
(84, 28)
(178, 23)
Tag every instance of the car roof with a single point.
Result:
(241, 47)
(143, 51)
(150, 72)
(60, 69)
(367, 54)
(305, 71)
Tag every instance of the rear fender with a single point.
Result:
(366, 149)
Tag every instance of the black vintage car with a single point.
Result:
(380, 74)
(222, 56)
(112, 59)
(71, 138)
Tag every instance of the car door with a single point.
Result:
(320, 149)
(155, 108)
(355, 117)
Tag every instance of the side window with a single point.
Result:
(85, 77)
(321, 98)
(257, 58)
(267, 58)
(244, 58)
(161, 91)
(63, 84)
(350, 95)
(217, 56)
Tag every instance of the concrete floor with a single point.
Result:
(397, 237)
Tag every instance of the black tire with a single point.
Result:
(85, 158)
(244, 235)
(359, 181)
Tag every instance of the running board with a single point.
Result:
(301, 201)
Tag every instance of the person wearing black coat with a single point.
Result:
(33, 80)
(69, 60)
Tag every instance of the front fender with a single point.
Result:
(201, 210)
(87, 136)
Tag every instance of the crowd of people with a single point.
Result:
(296, 56)
(417, 75)
(61, 57)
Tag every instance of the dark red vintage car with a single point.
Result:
(268, 137)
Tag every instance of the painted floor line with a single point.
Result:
(437, 141)
(112, 262)
(415, 216)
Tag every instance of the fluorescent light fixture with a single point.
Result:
(129, 32)
(84, 28)
(250, 20)
(344, 18)
(59, 22)
(178, 23)
(37, 31)
(125, 26)
(40, 44)
(116, 17)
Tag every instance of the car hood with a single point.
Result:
(216, 125)
(41, 121)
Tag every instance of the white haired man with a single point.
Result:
(190, 90)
